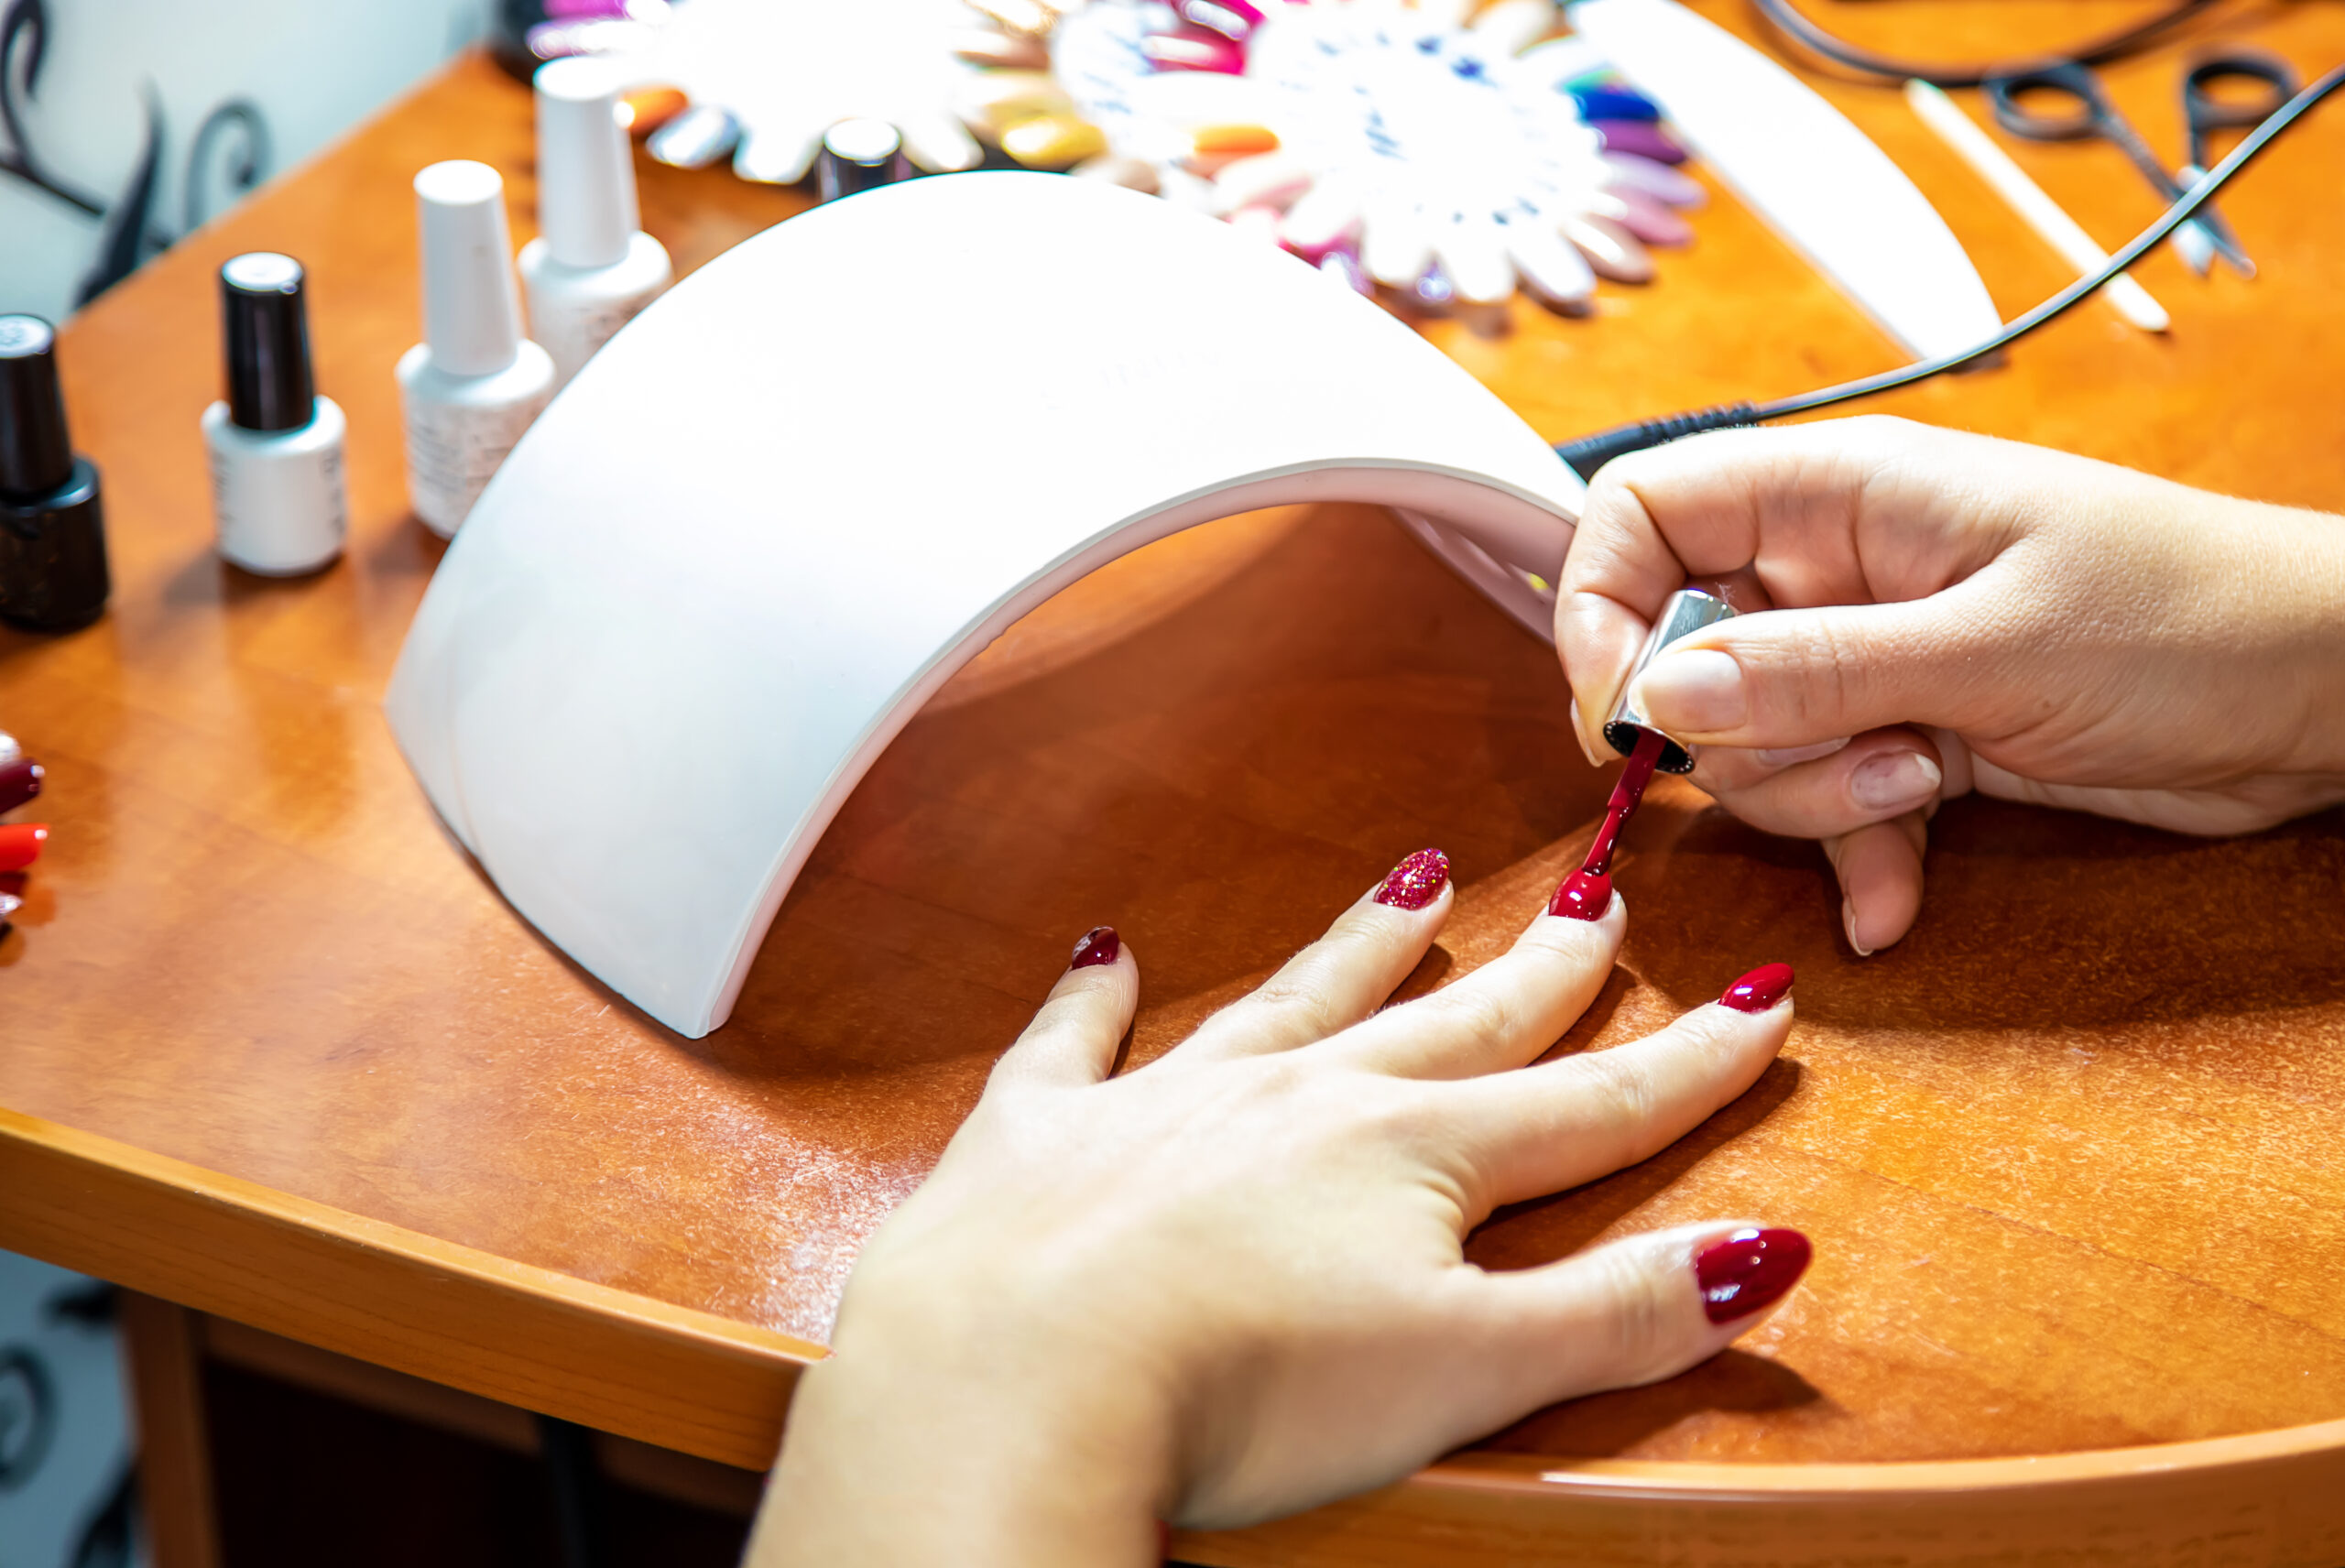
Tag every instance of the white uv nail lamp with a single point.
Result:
(781, 507)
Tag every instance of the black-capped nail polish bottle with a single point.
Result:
(52, 523)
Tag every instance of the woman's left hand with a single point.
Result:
(1230, 1285)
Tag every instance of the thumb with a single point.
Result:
(1632, 1311)
(1778, 678)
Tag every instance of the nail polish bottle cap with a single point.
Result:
(35, 454)
(586, 172)
(266, 327)
(1684, 612)
(857, 154)
(471, 310)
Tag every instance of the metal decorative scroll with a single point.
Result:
(233, 138)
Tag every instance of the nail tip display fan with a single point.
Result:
(771, 518)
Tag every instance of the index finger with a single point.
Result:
(1839, 511)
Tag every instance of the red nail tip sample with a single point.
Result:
(19, 782)
(1584, 896)
(1417, 881)
(20, 845)
(1749, 1270)
(1760, 989)
(1100, 944)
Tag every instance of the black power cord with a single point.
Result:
(1589, 453)
(1786, 19)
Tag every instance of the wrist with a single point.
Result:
(2312, 561)
(915, 1443)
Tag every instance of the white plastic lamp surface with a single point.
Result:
(789, 500)
(471, 312)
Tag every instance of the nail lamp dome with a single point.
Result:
(776, 512)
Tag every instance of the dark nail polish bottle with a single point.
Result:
(52, 524)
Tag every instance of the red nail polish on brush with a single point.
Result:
(1584, 896)
(1417, 881)
(1749, 1270)
(20, 845)
(19, 782)
(1760, 989)
(1100, 944)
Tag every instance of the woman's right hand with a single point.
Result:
(1946, 613)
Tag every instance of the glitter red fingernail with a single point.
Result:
(1748, 1270)
(1100, 944)
(1417, 881)
(1584, 896)
(1760, 989)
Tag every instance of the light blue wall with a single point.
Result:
(118, 77)
(64, 1424)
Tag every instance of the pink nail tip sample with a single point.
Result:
(1099, 945)
(1417, 881)
(1584, 896)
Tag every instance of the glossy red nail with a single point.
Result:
(1749, 1270)
(1760, 989)
(19, 782)
(1584, 896)
(1100, 944)
(20, 845)
(1417, 881)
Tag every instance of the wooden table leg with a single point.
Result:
(174, 1443)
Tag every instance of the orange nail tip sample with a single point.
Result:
(1053, 141)
(20, 845)
(1234, 140)
(646, 109)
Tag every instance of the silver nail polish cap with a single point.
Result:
(1687, 612)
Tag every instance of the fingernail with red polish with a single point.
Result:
(20, 845)
(1584, 896)
(1417, 881)
(1749, 1270)
(1100, 944)
(1760, 989)
(19, 782)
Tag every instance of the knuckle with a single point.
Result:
(1625, 1096)
(1478, 1014)
(1637, 1320)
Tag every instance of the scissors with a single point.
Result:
(2206, 234)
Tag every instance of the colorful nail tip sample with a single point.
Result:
(20, 845)
(1417, 881)
(1099, 945)
(1750, 1270)
(1584, 896)
(1759, 990)
(19, 782)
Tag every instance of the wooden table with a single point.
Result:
(275, 1051)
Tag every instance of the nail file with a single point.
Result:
(1800, 165)
(676, 630)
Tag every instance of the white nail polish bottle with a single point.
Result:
(474, 385)
(591, 268)
(274, 444)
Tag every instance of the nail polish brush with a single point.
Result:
(1588, 892)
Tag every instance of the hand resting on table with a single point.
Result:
(1229, 1284)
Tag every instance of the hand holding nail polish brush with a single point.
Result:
(1946, 613)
